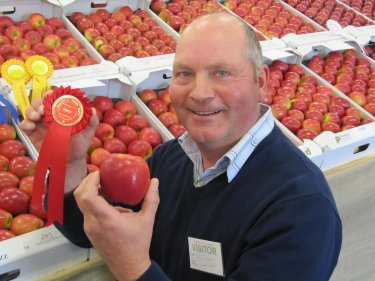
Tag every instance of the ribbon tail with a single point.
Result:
(37, 88)
(41, 170)
(22, 99)
(61, 139)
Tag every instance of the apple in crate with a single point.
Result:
(6, 234)
(124, 178)
(25, 223)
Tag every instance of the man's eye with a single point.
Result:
(222, 73)
(185, 73)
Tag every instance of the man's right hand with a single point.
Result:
(76, 168)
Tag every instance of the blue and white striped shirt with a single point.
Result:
(232, 161)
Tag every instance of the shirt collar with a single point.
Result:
(234, 159)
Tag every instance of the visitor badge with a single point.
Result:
(206, 256)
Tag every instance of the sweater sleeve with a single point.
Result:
(73, 223)
(299, 239)
(154, 273)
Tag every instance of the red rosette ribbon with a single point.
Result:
(67, 111)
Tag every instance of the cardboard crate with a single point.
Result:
(355, 143)
(38, 253)
(88, 6)
(21, 9)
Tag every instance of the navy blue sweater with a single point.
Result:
(276, 220)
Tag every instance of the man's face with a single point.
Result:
(213, 90)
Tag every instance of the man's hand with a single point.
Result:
(76, 168)
(121, 237)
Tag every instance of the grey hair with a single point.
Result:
(253, 48)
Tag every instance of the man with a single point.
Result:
(238, 201)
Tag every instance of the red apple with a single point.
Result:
(124, 179)
(98, 156)
(14, 200)
(150, 135)
(147, 95)
(137, 122)
(103, 103)
(36, 19)
(24, 223)
(330, 126)
(157, 106)
(126, 108)
(21, 166)
(114, 145)
(306, 134)
(140, 148)
(104, 131)
(291, 123)
(312, 125)
(177, 130)
(126, 134)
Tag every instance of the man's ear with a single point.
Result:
(263, 77)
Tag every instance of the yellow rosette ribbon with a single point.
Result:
(40, 69)
(15, 73)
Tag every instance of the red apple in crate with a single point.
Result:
(25, 223)
(22, 44)
(124, 179)
(279, 111)
(331, 117)
(137, 122)
(92, 168)
(26, 185)
(12, 148)
(312, 124)
(61, 51)
(168, 118)
(13, 32)
(5, 219)
(114, 145)
(33, 37)
(104, 131)
(72, 44)
(370, 107)
(7, 132)
(330, 126)
(98, 156)
(114, 117)
(44, 30)
(338, 109)
(316, 115)
(297, 114)
(306, 134)
(6, 234)
(7, 179)
(147, 95)
(351, 120)
(140, 148)
(177, 130)
(127, 108)
(340, 101)
(291, 123)
(37, 19)
(89, 61)
(103, 103)
(358, 97)
(5, 22)
(4, 163)
(95, 143)
(150, 135)
(70, 61)
(157, 6)
(4, 40)
(126, 134)
(103, 13)
(14, 200)
(352, 111)
(22, 166)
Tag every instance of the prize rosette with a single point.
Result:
(15, 73)
(66, 112)
(40, 69)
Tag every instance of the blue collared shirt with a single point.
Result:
(232, 161)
